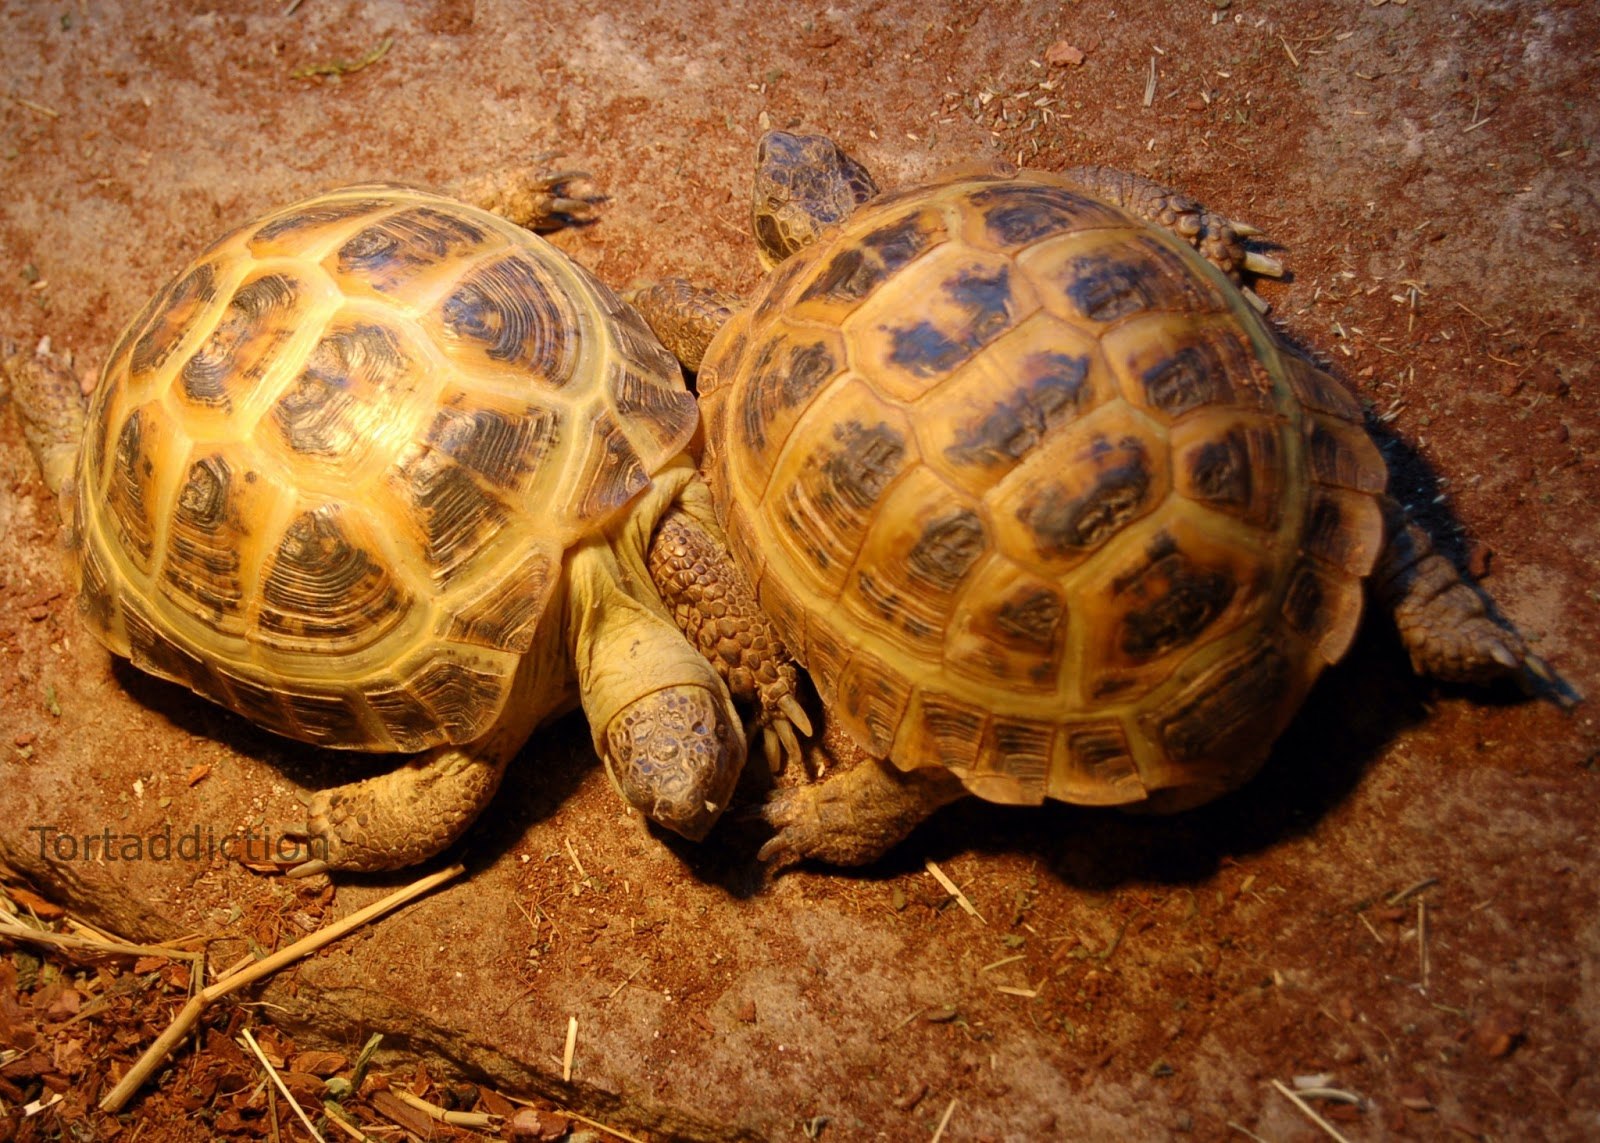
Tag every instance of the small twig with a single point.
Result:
(1242, 1130)
(1150, 84)
(626, 982)
(1422, 939)
(90, 944)
(440, 1115)
(572, 1046)
(345, 67)
(1288, 51)
(1310, 1112)
(38, 108)
(1411, 891)
(576, 864)
(950, 888)
(190, 1014)
(944, 1120)
(277, 1080)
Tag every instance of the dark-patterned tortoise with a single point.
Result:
(386, 472)
(1035, 494)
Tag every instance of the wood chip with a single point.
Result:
(1063, 54)
(950, 888)
(572, 1046)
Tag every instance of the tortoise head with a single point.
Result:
(803, 185)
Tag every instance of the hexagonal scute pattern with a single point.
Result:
(332, 469)
(1029, 487)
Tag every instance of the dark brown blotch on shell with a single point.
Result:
(778, 382)
(613, 472)
(327, 719)
(1142, 275)
(322, 214)
(871, 258)
(947, 549)
(252, 326)
(1171, 600)
(1020, 749)
(498, 446)
(1050, 391)
(321, 586)
(128, 495)
(1070, 518)
(168, 316)
(348, 368)
(458, 518)
(983, 303)
(516, 314)
(203, 541)
(866, 460)
(1017, 214)
(1221, 715)
(391, 251)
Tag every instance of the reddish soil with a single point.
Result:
(1404, 901)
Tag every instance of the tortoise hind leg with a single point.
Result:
(403, 816)
(1444, 621)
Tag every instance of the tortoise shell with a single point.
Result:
(331, 470)
(1036, 495)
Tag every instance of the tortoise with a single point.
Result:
(385, 472)
(1036, 496)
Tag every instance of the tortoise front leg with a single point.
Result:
(714, 604)
(855, 815)
(49, 404)
(1219, 239)
(403, 816)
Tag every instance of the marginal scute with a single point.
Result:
(872, 698)
(1324, 606)
(1228, 714)
(1014, 765)
(942, 730)
(464, 699)
(1097, 767)
(1342, 454)
(328, 719)
(1343, 529)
